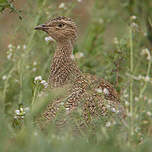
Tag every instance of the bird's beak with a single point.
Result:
(42, 27)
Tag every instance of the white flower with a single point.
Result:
(35, 133)
(106, 91)
(34, 63)
(10, 49)
(79, 0)
(49, 38)
(126, 103)
(108, 124)
(133, 17)
(46, 85)
(113, 109)
(4, 77)
(116, 40)
(17, 81)
(62, 5)
(24, 46)
(18, 47)
(149, 113)
(147, 78)
(15, 117)
(38, 78)
(98, 90)
(117, 111)
(9, 56)
(17, 112)
(34, 69)
(10, 46)
(79, 55)
(67, 109)
(134, 25)
(43, 82)
(146, 52)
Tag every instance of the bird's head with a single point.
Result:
(60, 29)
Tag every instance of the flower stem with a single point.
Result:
(35, 93)
(131, 81)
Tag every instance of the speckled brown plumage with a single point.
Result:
(94, 96)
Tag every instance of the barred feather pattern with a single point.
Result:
(84, 92)
(83, 95)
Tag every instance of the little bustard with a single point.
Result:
(85, 89)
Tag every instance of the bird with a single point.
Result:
(95, 96)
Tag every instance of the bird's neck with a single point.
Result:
(63, 67)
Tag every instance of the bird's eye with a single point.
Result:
(61, 25)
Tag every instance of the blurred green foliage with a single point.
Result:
(114, 29)
(4, 4)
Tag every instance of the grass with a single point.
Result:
(115, 39)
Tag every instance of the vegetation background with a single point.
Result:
(115, 43)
